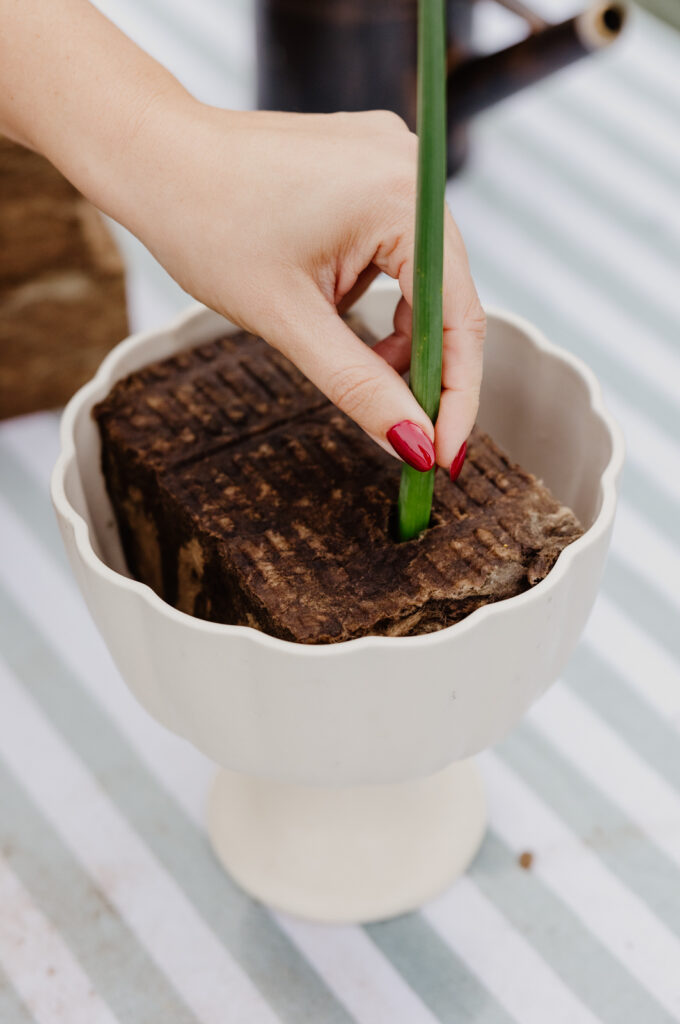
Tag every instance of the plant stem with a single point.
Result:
(415, 492)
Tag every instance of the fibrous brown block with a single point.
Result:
(243, 496)
(62, 287)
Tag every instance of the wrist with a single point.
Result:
(134, 153)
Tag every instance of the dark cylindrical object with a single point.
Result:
(319, 56)
(480, 82)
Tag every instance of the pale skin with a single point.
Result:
(269, 218)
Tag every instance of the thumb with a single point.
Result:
(354, 377)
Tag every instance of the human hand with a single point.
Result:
(269, 218)
(272, 218)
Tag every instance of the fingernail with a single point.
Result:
(457, 463)
(412, 443)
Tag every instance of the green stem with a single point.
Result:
(415, 492)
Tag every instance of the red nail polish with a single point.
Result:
(457, 463)
(412, 443)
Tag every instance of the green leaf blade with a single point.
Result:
(415, 497)
(415, 502)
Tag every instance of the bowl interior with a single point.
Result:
(537, 405)
(535, 402)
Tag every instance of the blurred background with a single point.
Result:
(113, 908)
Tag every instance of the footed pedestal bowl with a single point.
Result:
(346, 789)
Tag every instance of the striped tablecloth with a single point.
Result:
(112, 907)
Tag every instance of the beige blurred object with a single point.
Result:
(62, 285)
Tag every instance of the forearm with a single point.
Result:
(75, 88)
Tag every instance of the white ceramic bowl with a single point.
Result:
(336, 755)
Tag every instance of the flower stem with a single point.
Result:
(415, 492)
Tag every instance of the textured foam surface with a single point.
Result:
(243, 496)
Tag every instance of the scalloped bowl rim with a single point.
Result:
(106, 376)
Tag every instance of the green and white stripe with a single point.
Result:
(112, 907)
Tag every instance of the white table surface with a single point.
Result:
(112, 907)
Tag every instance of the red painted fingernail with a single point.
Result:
(457, 463)
(412, 443)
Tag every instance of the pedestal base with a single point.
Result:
(347, 855)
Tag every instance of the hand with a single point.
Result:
(271, 218)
